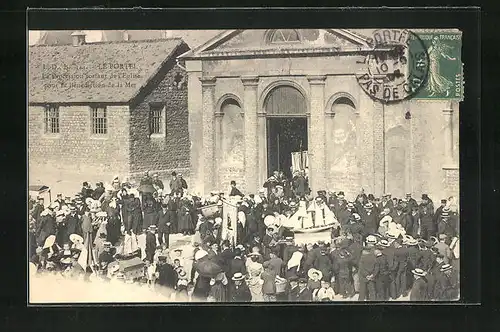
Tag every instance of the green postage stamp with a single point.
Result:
(445, 75)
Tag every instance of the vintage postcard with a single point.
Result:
(285, 165)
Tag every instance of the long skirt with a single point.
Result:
(201, 288)
(113, 228)
(255, 287)
(185, 223)
(149, 219)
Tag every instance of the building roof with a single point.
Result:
(214, 47)
(104, 72)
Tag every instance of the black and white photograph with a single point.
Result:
(244, 166)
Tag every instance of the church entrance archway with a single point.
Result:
(287, 130)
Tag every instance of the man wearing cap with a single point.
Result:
(382, 267)
(99, 190)
(428, 202)
(387, 202)
(238, 289)
(157, 183)
(439, 210)
(46, 226)
(370, 219)
(86, 190)
(447, 223)
(341, 211)
(164, 225)
(419, 290)
(367, 270)
(73, 224)
(410, 201)
(323, 262)
(175, 184)
(105, 258)
(342, 269)
(304, 293)
(444, 249)
(446, 287)
(38, 209)
(428, 225)
(59, 200)
(400, 267)
(433, 274)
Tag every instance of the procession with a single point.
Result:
(281, 244)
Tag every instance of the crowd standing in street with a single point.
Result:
(382, 249)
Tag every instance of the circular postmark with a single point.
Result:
(396, 67)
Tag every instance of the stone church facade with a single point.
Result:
(241, 81)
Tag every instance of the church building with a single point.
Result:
(257, 96)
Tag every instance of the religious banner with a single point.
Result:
(299, 160)
(229, 221)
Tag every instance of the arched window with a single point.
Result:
(284, 36)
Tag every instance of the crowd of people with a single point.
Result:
(381, 249)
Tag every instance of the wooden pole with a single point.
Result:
(278, 143)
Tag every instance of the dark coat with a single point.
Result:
(150, 242)
(149, 208)
(419, 290)
(446, 287)
(235, 192)
(366, 266)
(46, 227)
(98, 192)
(325, 265)
(73, 225)
(370, 221)
(300, 186)
(237, 265)
(162, 221)
(239, 293)
(226, 256)
(134, 215)
(269, 278)
(304, 296)
(37, 210)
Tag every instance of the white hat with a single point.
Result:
(200, 254)
(238, 276)
(312, 271)
(371, 239)
(445, 267)
(75, 238)
(419, 272)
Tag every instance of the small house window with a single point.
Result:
(155, 119)
(99, 121)
(52, 120)
(284, 36)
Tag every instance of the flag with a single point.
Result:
(87, 256)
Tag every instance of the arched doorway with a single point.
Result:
(341, 136)
(286, 109)
(231, 154)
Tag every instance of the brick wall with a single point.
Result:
(63, 161)
(167, 152)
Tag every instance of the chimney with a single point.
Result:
(78, 38)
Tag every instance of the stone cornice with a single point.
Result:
(208, 80)
(316, 79)
(285, 52)
(250, 80)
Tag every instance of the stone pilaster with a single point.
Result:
(262, 142)
(208, 144)
(448, 136)
(378, 149)
(250, 84)
(317, 133)
(218, 145)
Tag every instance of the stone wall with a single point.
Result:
(63, 161)
(169, 150)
